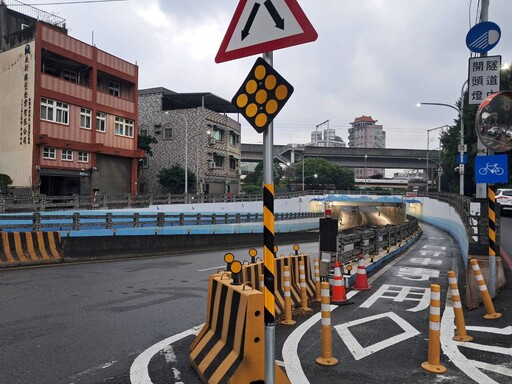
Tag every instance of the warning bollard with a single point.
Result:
(303, 291)
(489, 306)
(361, 278)
(457, 309)
(262, 282)
(434, 333)
(317, 279)
(326, 358)
(287, 298)
(339, 295)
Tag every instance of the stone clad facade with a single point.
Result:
(213, 148)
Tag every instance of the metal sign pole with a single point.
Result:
(268, 246)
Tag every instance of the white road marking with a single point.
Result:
(493, 368)
(139, 370)
(358, 351)
(499, 331)
(486, 348)
(211, 269)
(291, 359)
(169, 355)
(451, 350)
(93, 370)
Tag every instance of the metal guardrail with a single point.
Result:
(76, 221)
(41, 203)
(371, 240)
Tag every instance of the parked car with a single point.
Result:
(494, 131)
(504, 199)
(508, 133)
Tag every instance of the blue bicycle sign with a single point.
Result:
(491, 169)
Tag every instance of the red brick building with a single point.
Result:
(68, 110)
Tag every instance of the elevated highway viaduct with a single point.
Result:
(350, 157)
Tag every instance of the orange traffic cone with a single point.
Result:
(361, 279)
(339, 296)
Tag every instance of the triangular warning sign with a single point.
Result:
(264, 25)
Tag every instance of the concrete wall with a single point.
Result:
(443, 216)
(82, 248)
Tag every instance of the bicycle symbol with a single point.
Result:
(493, 168)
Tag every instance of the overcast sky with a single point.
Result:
(372, 57)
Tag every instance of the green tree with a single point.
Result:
(173, 179)
(144, 142)
(329, 175)
(5, 181)
(256, 177)
(450, 141)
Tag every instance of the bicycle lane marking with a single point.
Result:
(291, 359)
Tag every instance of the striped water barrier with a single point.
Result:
(251, 274)
(310, 282)
(28, 248)
(230, 348)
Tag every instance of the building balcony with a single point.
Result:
(65, 87)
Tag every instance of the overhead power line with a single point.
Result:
(75, 2)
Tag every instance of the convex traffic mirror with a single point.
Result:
(494, 121)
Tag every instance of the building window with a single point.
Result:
(49, 153)
(233, 138)
(232, 162)
(114, 88)
(67, 155)
(167, 133)
(69, 75)
(145, 162)
(83, 157)
(85, 118)
(143, 131)
(218, 160)
(124, 127)
(55, 111)
(218, 134)
(101, 122)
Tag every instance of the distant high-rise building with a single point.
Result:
(326, 138)
(364, 133)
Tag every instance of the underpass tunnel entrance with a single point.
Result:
(350, 215)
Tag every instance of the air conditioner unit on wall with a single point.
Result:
(211, 165)
(212, 140)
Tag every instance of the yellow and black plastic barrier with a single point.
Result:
(230, 348)
(252, 272)
(29, 248)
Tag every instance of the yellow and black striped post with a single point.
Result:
(268, 252)
(491, 199)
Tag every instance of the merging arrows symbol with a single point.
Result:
(250, 20)
(274, 13)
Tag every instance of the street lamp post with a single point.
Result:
(186, 156)
(298, 153)
(365, 157)
(461, 146)
(428, 151)
(438, 173)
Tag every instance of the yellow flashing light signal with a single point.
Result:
(262, 95)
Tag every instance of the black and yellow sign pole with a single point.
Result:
(259, 99)
(268, 245)
(491, 199)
